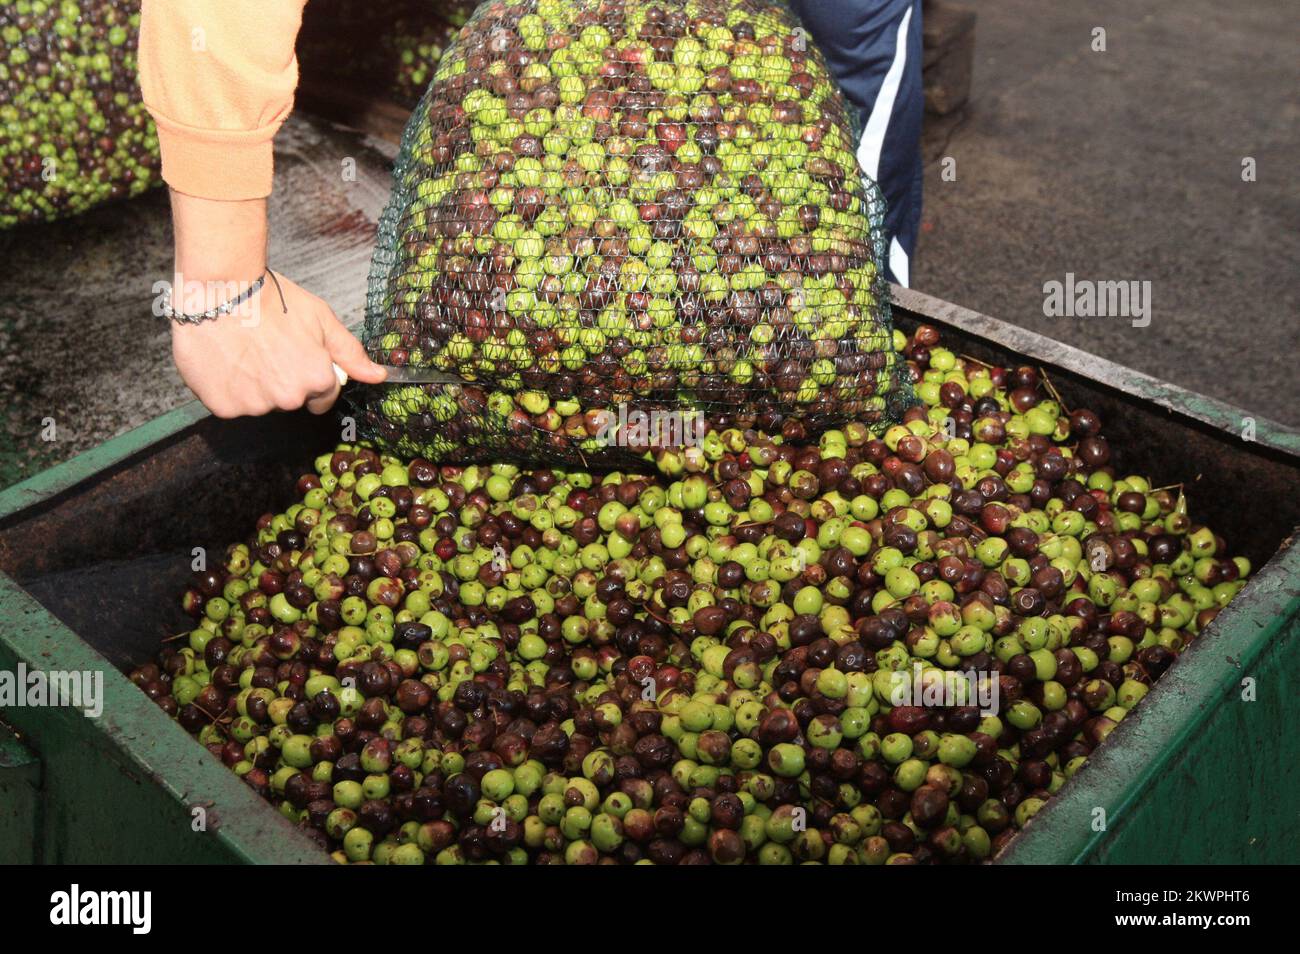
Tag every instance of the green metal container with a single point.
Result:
(94, 553)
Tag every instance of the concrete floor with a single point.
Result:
(79, 343)
(1126, 165)
(1115, 165)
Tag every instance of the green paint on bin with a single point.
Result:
(20, 800)
(124, 787)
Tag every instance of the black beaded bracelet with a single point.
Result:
(225, 307)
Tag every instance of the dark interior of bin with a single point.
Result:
(110, 557)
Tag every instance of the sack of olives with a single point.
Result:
(610, 211)
(73, 132)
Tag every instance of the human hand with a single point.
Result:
(266, 354)
(278, 361)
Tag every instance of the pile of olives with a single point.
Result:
(858, 650)
(73, 131)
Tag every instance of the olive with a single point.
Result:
(633, 674)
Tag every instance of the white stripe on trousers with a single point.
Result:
(898, 262)
(873, 135)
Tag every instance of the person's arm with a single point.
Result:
(218, 77)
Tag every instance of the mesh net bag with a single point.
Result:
(613, 219)
(73, 132)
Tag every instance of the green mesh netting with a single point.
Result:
(605, 208)
(73, 132)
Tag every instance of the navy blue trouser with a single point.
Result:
(873, 49)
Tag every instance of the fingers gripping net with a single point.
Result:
(613, 205)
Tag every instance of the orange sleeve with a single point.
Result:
(218, 77)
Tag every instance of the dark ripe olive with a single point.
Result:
(347, 768)
(964, 719)
(376, 817)
(1028, 602)
(1094, 452)
(326, 748)
(209, 583)
(1049, 581)
(727, 811)
(300, 718)
(1126, 623)
(550, 744)
(1056, 728)
(973, 793)
(992, 488)
(901, 537)
(1022, 541)
(387, 563)
(939, 466)
(1164, 548)
(909, 719)
(1131, 502)
(211, 700)
(778, 725)
(995, 519)
(461, 794)
(709, 620)
(413, 696)
(1155, 660)
(790, 526)
(968, 503)
(899, 836)
(1084, 423)
(852, 657)
(665, 851)
(1034, 773)
(519, 609)
(1084, 609)
(731, 574)
(1125, 554)
(410, 635)
(295, 790)
(1023, 398)
(929, 806)
(1085, 504)
(191, 717)
(1068, 669)
(374, 681)
(1052, 467)
(986, 748)
(1113, 672)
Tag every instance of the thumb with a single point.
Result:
(346, 351)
